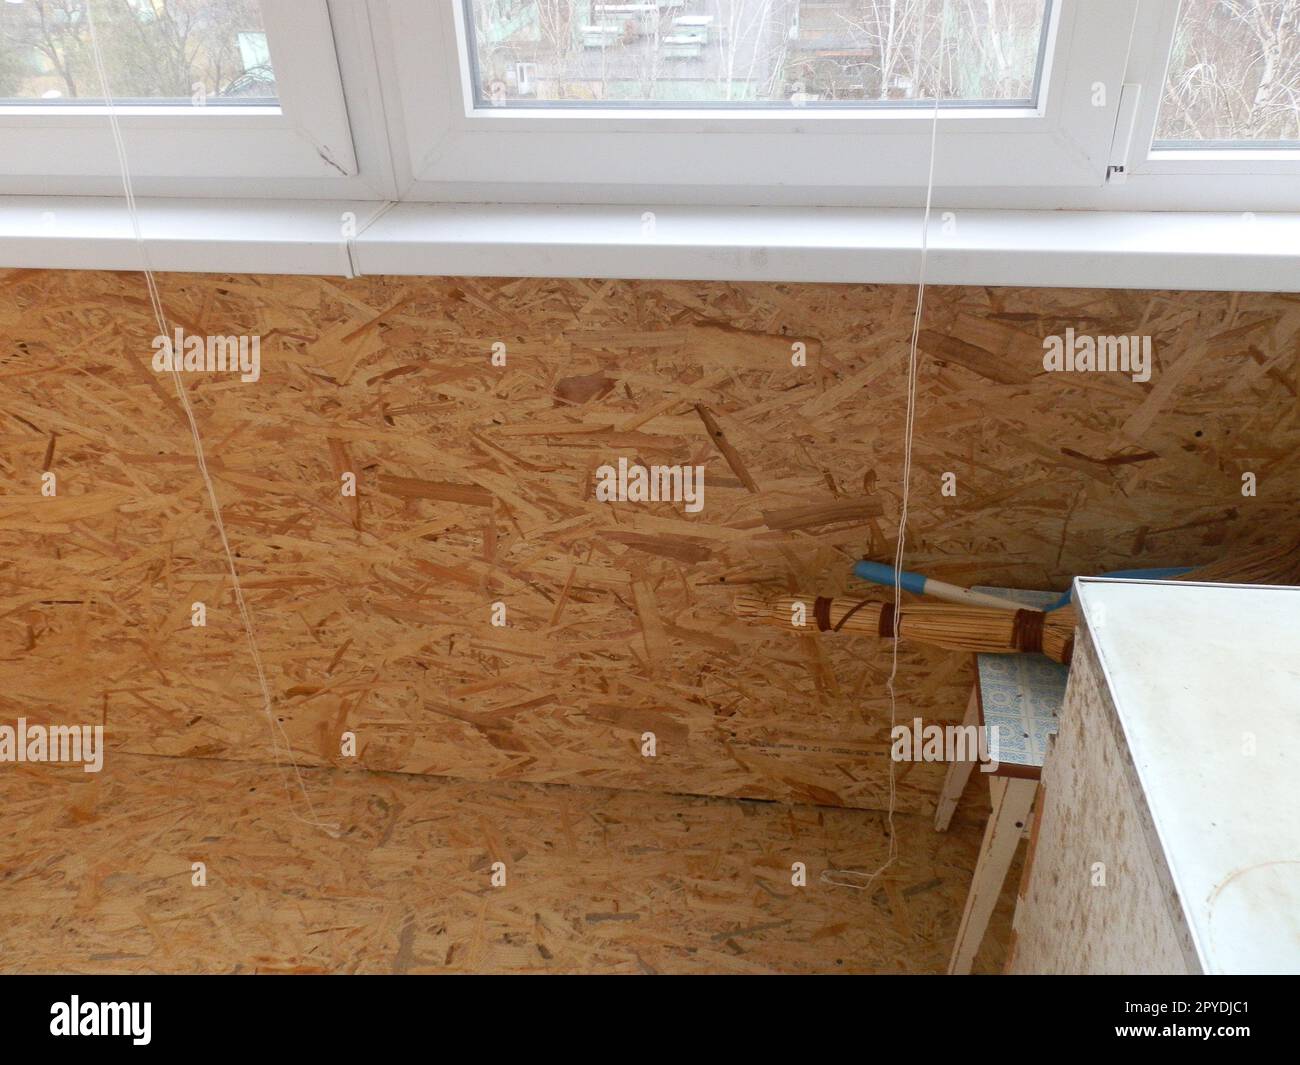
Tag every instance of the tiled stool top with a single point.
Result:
(1021, 694)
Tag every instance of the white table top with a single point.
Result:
(1206, 684)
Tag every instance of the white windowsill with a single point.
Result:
(1226, 251)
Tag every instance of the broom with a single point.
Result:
(986, 629)
(951, 626)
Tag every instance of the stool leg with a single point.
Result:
(958, 772)
(1012, 800)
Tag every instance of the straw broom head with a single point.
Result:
(1276, 564)
(948, 625)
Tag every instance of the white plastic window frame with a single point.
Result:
(302, 144)
(1188, 177)
(457, 152)
(400, 70)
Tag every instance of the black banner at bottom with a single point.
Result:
(105, 1014)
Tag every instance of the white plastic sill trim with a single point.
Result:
(1222, 252)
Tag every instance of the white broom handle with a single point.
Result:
(919, 584)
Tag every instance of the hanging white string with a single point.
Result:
(852, 877)
(164, 330)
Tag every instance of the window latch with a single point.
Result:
(1121, 142)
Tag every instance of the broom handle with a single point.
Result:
(920, 584)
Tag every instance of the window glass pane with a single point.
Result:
(1234, 74)
(733, 53)
(155, 51)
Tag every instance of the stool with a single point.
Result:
(1015, 699)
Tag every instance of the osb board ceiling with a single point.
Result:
(475, 486)
(101, 878)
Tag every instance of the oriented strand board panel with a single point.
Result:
(99, 878)
(1076, 917)
(475, 487)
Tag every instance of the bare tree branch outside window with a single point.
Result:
(736, 52)
(1234, 74)
(154, 50)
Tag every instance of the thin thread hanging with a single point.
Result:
(851, 877)
(164, 330)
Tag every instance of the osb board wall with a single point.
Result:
(100, 878)
(1093, 811)
(475, 486)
